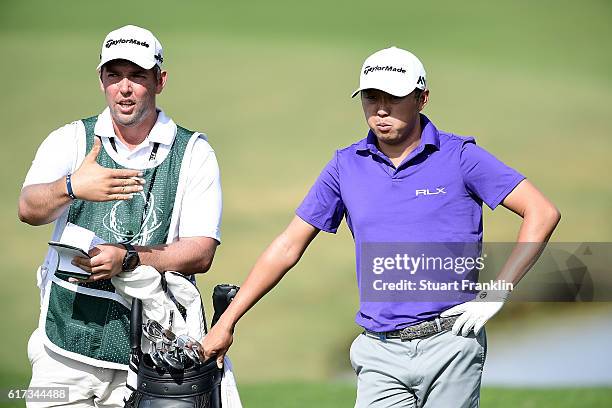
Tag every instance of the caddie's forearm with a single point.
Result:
(537, 227)
(269, 269)
(40, 204)
(187, 255)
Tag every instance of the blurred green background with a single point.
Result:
(269, 82)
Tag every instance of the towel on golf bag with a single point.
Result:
(230, 398)
(145, 283)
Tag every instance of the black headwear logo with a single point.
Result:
(389, 68)
(110, 42)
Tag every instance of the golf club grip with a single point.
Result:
(136, 324)
(222, 296)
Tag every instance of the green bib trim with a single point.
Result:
(90, 323)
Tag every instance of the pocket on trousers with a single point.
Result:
(482, 342)
(352, 353)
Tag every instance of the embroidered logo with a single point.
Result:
(389, 68)
(111, 42)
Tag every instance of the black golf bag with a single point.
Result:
(195, 386)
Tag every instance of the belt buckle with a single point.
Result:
(405, 334)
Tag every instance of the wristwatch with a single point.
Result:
(131, 259)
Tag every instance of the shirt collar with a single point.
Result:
(163, 130)
(429, 136)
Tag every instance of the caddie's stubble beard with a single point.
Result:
(138, 116)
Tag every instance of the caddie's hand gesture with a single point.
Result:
(93, 182)
(216, 343)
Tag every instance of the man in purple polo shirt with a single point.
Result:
(406, 191)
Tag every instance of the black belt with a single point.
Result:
(417, 331)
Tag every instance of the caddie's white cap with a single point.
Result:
(392, 70)
(134, 44)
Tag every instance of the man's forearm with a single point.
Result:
(187, 255)
(41, 204)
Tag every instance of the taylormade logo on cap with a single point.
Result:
(369, 69)
(393, 70)
(134, 44)
(110, 42)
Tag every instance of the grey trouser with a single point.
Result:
(442, 370)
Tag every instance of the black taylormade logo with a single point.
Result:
(111, 42)
(389, 68)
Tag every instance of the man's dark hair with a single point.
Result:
(417, 93)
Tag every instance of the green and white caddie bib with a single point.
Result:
(90, 322)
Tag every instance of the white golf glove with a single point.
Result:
(475, 313)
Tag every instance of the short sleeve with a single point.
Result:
(323, 207)
(485, 176)
(202, 204)
(56, 156)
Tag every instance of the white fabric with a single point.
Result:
(187, 294)
(476, 313)
(144, 283)
(198, 205)
(230, 398)
(88, 386)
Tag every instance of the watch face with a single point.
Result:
(131, 261)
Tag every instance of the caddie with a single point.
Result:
(146, 186)
(406, 181)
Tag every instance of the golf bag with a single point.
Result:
(195, 386)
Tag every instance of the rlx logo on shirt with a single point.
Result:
(427, 192)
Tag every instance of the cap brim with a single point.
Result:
(141, 63)
(395, 92)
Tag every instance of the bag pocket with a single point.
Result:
(83, 323)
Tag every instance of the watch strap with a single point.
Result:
(128, 247)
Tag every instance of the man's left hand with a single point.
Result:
(106, 261)
(475, 313)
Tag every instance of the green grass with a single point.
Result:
(340, 395)
(269, 82)
(323, 395)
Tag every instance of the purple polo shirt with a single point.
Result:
(382, 203)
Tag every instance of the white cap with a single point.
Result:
(392, 70)
(134, 44)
